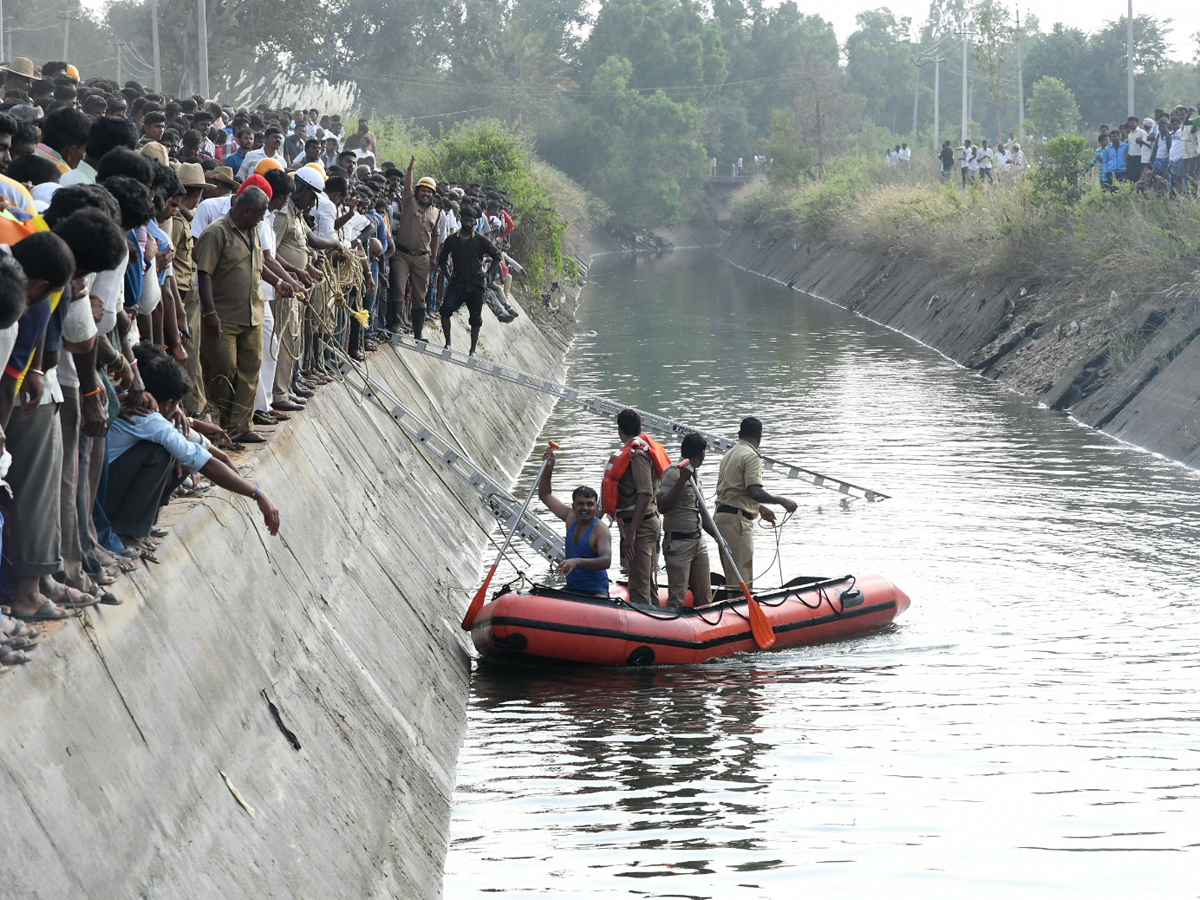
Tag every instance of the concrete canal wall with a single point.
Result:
(115, 743)
(1134, 375)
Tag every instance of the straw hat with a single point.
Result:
(191, 175)
(22, 66)
(223, 174)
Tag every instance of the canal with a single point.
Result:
(1031, 725)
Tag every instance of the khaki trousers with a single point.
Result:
(738, 532)
(195, 402)
(642, 585)
(289, 331)
(687, 568)
(231, 367)
(416, 268)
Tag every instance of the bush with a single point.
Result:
(1065, 163)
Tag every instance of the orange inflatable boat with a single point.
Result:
(551, 624)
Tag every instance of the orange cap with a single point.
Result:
(72, 72)
(267, 165)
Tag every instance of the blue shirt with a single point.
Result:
(158, 430)
(1122, 152)
(235, 160)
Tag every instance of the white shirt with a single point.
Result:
(253, 158)
(984, 155)
(325, 215)
(212, 209)
(81, 174)
(8, 339)
(78, 326)
(1134, 147)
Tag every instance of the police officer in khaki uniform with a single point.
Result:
(416, 235)
(740, 499)
(637, 514)
(684, 550)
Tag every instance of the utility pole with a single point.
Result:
(154, 44)
(120, 80)
(916, 100)
(966, 84)
(1129, 62)
(202, 31)
(1021, 80)
(9, 57)
(937, 98)
(67, 32)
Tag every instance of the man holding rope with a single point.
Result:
(741, 499)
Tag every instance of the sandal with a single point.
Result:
(14, 658)
(14, 629)
(74, 599)
(45, 613)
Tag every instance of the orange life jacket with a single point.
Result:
(618, 465)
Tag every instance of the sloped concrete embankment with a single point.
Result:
(1132, 370)
(114, 740)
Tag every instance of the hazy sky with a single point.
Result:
(1086, 14)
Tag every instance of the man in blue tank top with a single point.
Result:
(589, 544)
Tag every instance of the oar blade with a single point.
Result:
(477, 603)
(760, 626)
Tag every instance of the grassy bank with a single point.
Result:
(1114, 251)
(546, 203)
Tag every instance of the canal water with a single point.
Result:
(1031, 726)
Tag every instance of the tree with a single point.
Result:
(824, 111)
(994, 43)
(1052, 110)
(879, 67)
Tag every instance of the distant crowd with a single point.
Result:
(1159, 155)
(177, 279)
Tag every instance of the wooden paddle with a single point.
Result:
(481, 594)
(760, 626)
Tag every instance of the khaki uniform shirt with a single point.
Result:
(234, 261)
(291, 236)
(417, 226)
(183, 264)
(685, 514)
(638, 479)
(741, 468)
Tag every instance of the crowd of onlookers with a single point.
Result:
(978, 163)
(1159, 155)
(176, 278)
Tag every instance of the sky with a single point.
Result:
(1087, 15)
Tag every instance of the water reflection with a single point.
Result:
(1030, 726)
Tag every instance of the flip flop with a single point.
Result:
(22, 643)
(79, 601)
(45, 613)
(14, 658)
(15, 629)
(108, 598)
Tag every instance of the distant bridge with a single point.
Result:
(721, 190)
